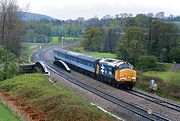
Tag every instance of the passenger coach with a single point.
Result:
(114, 71)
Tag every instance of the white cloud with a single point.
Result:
(66, 9)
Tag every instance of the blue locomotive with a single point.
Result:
(114, 71)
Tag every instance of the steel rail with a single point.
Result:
(156, 100)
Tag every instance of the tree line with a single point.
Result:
(11, 31)
(136, 36)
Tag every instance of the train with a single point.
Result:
(116, 72)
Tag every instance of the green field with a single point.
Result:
(71, 39)
(96, 54)
(58, 103)
(168, 82)
(55, 40)
(27, 49)
(6, 114)
(101, 55)
(177, 23)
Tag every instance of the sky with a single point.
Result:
(72, 9)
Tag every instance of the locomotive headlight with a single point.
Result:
(122, 78)
(134, 78)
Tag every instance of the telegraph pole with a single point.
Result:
(62, 39)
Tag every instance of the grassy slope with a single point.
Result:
(6, 114)
(168, 82)
(58, 102)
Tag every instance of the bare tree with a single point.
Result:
(11, 25)
(106, 17)
(160, 15)
(150, 15)
(130, 15)
(171, 16)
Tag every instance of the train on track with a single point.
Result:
(114, 71)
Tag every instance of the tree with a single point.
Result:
(163, 39)
(160, 15)
(176, 55)
(10, 25)
(151, 15)
(92, 39)
(147, 63)
(111, 36)
(7, 64)
(131, 45)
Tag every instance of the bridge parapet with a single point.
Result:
(39, 66)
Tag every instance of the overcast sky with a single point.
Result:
(72, 9)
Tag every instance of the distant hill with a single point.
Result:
(35, 16)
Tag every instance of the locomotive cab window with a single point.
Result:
(125, 66)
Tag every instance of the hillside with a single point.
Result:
(35, 16)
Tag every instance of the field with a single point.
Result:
(27, 49)
(56, 103)
(71, 39)
(6, 114)
(96, 54)
(168, 82)
(55, 40)
(177, 23)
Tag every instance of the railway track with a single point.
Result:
(157, 100)
(118, 101)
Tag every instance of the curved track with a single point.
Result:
(118, 101)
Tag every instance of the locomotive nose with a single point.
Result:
(126, 75)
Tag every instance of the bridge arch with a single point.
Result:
(62, 64)
(40, 65)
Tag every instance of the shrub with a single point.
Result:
(146, 63)
(176, 55)
(7, 64)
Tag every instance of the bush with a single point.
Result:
(176, 55)
(147, 63)
(7, 64)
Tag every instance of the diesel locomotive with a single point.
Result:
(114, 71)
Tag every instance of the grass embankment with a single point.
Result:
(168, 82)
(57, 103)
(6, 114)
(96, 54)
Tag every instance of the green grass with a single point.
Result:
(71, 39)
(170, 77)
(101, 55)
(96, 54)
(55, 40)
(168, 82)
(6, 114)
(58, 103)
(177, 23)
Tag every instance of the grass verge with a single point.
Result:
(6, 114)
(168, 82)
(58, 103)
(96, 54)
